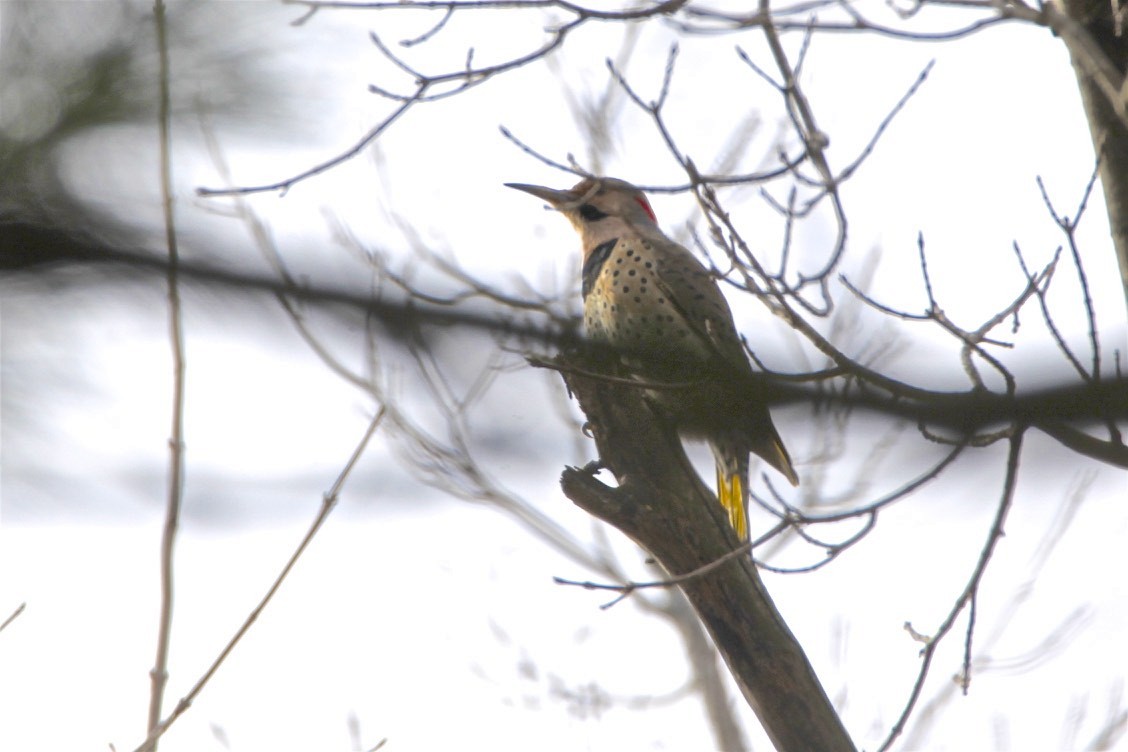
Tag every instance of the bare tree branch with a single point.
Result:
(159, 673)
(328, 503)
(662, 504)
(12, 616)
(967, 598)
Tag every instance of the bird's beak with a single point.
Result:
(557, 199)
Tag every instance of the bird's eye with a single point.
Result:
(590, 213)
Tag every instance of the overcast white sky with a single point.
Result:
(434, 622)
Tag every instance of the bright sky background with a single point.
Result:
(434, 622)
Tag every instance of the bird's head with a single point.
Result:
(599, 208)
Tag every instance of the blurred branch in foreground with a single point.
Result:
(32, 249)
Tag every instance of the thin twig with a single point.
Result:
(328, 502)
(628, 588)
(1047, 316)
(431, 32)
(159, 673)
(970, 591)
(885, 122)
(1068, 227)
(284, 185)
(11, 618)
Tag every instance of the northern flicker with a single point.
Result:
(656, 303)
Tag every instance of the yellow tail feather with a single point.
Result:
(731, 495)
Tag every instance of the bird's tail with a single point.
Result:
(733, 495)
(731, 453)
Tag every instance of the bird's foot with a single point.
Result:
(592, 468)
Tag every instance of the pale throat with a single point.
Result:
(612, 228)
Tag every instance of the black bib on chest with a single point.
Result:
(595, 263)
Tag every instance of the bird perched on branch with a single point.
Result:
(657, 305)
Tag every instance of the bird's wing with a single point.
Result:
(696, 297)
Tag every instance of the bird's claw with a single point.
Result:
(593, 467)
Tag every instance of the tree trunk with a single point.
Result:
(662, 504)
(1105, 54)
